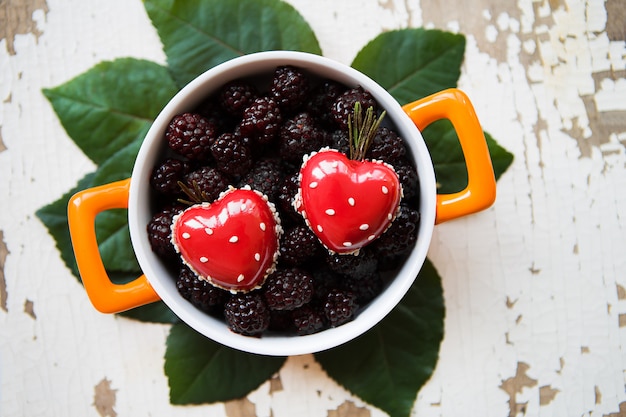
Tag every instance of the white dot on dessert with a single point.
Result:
(240, 278)
(314, 184)
(385, 189)
(347, 244)
(330, 212)
(233, 239)
(257, 256)
(204, 259)
(262, 226)
(319, 228)
(364, 226)
(186, 235)
(351, 201)
(208, 231)
(371, 237)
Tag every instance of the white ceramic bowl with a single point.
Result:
(139, 208)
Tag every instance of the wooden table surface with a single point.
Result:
(535, 287)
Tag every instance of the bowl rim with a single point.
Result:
(160, 278)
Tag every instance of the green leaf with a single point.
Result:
(388, 365)
(202, 371)
(111, 105)
(114, 243)
(54, 217)
(500, 157)
(425, 62)
(153, 313)
(448, 160)
(198, 35)
(120, 164)
(413, 63)
(107, 112)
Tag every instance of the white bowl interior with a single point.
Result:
(160, 277)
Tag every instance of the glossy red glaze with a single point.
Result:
(232, 242)
(347, 203)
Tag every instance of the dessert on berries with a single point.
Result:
(348, 202)
(232, 242)
(284, 203)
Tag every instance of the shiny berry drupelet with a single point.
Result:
(409, 180)
(165, 177)
(386, 146)
(308, 320)
(298, 245)
(232, 155)
(299, 136)
(288, 289)
(160, 233)
(261, 120)
(344, 105)
(289, 87)
(401, 235)
(247, 313)
(190, 135)
(207, 183)
(340, 307)
(236, 96)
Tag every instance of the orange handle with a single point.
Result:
(106, 296)
(454, 105)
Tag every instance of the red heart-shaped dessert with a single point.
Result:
(231, 242)
(347, 203)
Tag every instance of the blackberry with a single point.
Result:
(364, 287)
(265, 176)
(340, 307)
(190, 135)
(199, 292)
(340, 141)
(299, 136)
(298, 245)
(235, 96)
(287, 192)
(165, 176)
(247, 313)
(232, 155)
(206, 184)
(289, 87)
(288, 288)
(344, 105)
(308, 320)
(320, 103)
(386, 146)
(409, 180)
(160, 233)
(360, 265)
(261, 120)
(401, 235)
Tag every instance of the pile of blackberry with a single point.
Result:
(246, 134)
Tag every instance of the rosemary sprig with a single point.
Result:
(195, 194)
(362, 129)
